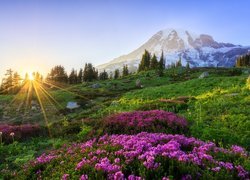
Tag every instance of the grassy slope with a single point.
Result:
(214, 115)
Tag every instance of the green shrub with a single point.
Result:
(85, 130)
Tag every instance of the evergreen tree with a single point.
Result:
(103, 75)
(145, 62)
(161, 65)
(89, 73)
(7, 83)
(85, 72)
(153, 62)
(80, 76)
(16, 82)
(187, 65)
(110, 75)
(38, 77)
(58, 74)
(11, 83)
(73, 77)
(162, 61)
(125, 71)
(243, 61)
(117, 74)
(178, 63)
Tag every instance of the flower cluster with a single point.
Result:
(19, 131)
(149, 121)
(146, 156)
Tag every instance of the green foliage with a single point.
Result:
(145, 62)
(103, 75)
(80, 76)
(214, 115)
(153, 62)
(219, 112)
(89, 73)
(14, 156)
(178, 63)
(243, 61)
(58, 74)
(85, 130)
(73, 79)
(161, 66)
(125, 71)
(11, 83)
(117, 74)
(248, 82)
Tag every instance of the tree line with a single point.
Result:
(243, 61)
(12, 81)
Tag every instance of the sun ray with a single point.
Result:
(63, 89)
(43, 110)
(46, 96)
(18, 95)
(29, 97)
(51, 97)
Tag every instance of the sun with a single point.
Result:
(31, 77)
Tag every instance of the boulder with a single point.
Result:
(203, 75)
(72, 105)
(138, 83)
(95, 86)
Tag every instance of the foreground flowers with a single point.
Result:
(142, 156)
(150, 121)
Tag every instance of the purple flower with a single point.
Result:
(133, 177)
(65, 177)
(117, 160)
(216, 169)
(238, 150)
(165, 178)
(186, 177)
(111, 153)
(119, 176)
(145, 120)
(84, 177)
(82, 163)
(45, 158)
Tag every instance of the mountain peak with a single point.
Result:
(198, 50)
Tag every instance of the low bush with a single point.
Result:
(149, 121)
(141, 156)
(10, 133)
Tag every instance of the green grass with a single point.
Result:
(213, 115)
(14, 155)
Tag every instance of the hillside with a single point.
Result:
(214, 110)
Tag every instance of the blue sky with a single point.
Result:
(36, 35)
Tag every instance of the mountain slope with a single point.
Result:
(198, 50)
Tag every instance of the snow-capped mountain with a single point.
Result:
(198, 50)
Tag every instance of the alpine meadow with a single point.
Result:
(124, 90)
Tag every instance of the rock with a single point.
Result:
(203, 75)
(232, 94)
(95, 86)
(246, 71)
(72, 105)
(33, 108)
(138, 83)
